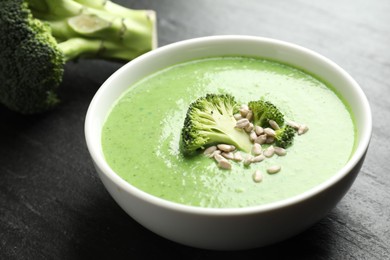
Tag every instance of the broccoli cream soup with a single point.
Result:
(141, 135)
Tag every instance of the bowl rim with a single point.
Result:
(98, 159)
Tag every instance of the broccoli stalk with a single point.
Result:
(37, 37)
(105, 34)
(209, 120)
(110, 7)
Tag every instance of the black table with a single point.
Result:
(53, 205)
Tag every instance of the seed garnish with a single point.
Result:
(238, 157)
(256, 149)
(269, 140)
(242, 123)
(215, 152)
(223, 154)
(280, 151)
(261, 139)
(248, 160)
(274, 125)
(258, 158)
(274, 169)
(269, 132)
(210, 150)
(293, 124)
(244, 111)
(249, 128)
(237, 116)
(244, 107)
(249, 115)
(224, 164)
(257, 176)
(219, 157)
(228, 155)
(253, 136)
(269, 152)
(226, 147)
(259, 130)
(302, 129)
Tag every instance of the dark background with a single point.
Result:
(53, 205)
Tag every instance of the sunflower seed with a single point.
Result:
(248, 160)
(273, 124)
(274, 169)
(242, 123)
(261, 139)
(237, 116)
(259, 130)
(215, 152)
(256, 149)
(269, 132)
(258, 158)
(280, 151)
(257, 176)
(228, 155)
(269, 152)
(226, 147)
(224, 164)
(293, 124)
(303, 129)
(244, 111)
(249, 128)
(249, 115)
(238, 157)
(210, 150)
(218, 157)
(270, 140)
(244, 106)
(253, 136)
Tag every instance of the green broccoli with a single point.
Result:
(37, 37)
(263, 111)
(284, 136)
(209, 120)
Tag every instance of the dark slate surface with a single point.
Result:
(53, 205)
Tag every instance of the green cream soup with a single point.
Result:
(141, 135)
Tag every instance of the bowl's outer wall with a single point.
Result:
(222, 231)
(234, 232)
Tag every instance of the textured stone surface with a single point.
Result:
(53, 206)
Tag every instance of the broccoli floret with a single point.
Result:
(37, 37)
(263, 111)
(284, 136)
(209, 120)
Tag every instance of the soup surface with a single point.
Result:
(140, 138)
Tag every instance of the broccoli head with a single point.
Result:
(284, 136)
(37, 37)
(31, 64)
(264, 111)
(209, 120)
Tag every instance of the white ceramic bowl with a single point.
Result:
(240, 228)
